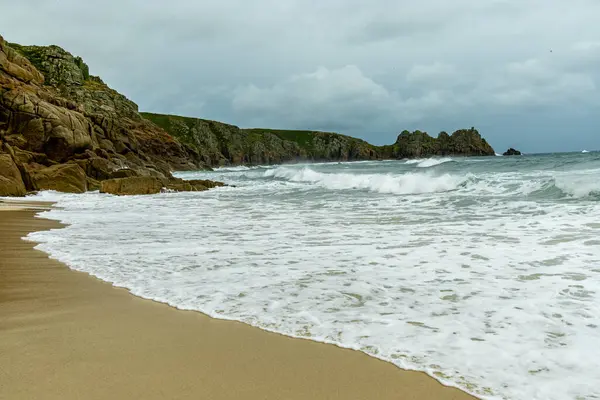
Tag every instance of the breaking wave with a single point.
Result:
(408, 183)
(579, 187)
(432, 162)
(427, 162)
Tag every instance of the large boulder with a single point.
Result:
(135, 185)
(68, 178)
(11, 182)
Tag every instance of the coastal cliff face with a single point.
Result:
(220, 144)
(64, 129)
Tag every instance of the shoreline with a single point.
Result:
(67, 334)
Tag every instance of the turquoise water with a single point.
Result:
(482, 272)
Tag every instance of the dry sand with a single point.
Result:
(66, 335)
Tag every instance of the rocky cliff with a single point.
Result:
(63, 129)
(218, 143)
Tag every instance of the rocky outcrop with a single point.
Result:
(131, 186)
(464, 142)
(138, 185)
(199, 184)
(11, 183)
(68, 178)
(195, 185)
(511, 152)
(66, 130)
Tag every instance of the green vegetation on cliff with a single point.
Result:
(220, 143)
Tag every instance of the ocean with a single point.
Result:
(482, 272)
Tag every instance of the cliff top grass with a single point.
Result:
(303, 138)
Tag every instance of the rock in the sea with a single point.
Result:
(206, 183)
(68, 178)
(463, 142)
(194, 185)
(512, 152)
(134, 185)
(11, 182)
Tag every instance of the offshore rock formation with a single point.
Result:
(464, 142)
(511, 152)
(63, 129)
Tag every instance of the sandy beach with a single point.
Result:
(66, 335)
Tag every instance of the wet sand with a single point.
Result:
(66, 335)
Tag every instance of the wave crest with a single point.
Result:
(427, 162)
(233, 169)
(409, 183)
(579, 187)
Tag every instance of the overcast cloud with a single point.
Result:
(525, 72)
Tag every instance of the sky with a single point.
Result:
(525, 73)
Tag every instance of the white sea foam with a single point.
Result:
(408, 183)
(580, 186)
(234, 168)
(432, 162)
(427, 162)
(481, 285)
